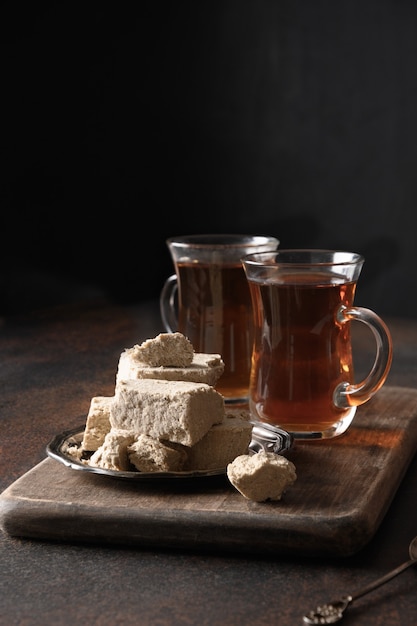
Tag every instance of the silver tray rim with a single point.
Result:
(73, 437)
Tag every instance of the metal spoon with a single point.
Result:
(269, 438)
(333, 612)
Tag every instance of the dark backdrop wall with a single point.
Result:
(121, 128)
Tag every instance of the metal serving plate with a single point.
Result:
(58, 449)
(264, 437)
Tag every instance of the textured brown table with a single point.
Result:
(51, 364)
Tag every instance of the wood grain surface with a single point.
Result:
(344, 487)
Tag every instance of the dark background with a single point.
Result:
(122, 126)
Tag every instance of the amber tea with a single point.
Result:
(302, 376)
(306, 348)
(208, 300)
(215, 313)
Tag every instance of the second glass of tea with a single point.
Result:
(208, 301)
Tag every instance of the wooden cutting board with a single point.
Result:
(344, 487)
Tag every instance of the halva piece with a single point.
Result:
(223, 442)
(112, 454)
(151, 455)
(262, 476)
(165, 350)
(97, 423)
(204, 368)
(177, 411)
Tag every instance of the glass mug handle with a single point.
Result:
(167, 304)
(346, 394)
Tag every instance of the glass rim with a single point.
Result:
(313, 257)
(221, 240)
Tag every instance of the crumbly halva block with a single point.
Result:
(98, 423)
(112, 454)
(74, 451)
(204, 368)
(165, 350)
(177, 411)
(223, 442)
(262, 476)
(151, 455)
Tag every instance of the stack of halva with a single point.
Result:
(166, 416)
